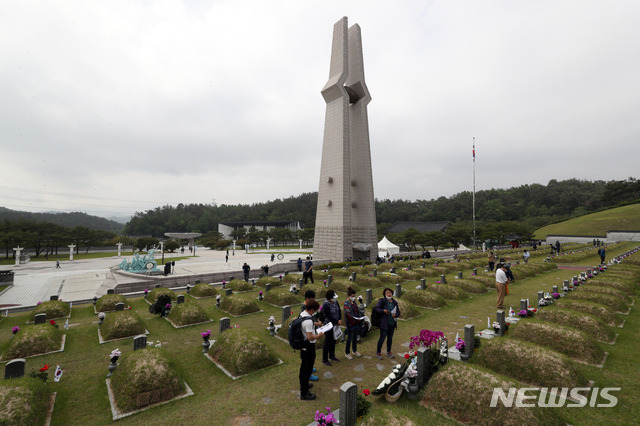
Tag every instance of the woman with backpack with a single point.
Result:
(332, 314)
(351, 312)
(388, 310)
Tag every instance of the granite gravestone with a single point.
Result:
(348, 404)
(119, 306)
(225, 324)
(14, 369)
(180, 299)
(139, 342)
(40, 318)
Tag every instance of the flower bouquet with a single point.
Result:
(461, 345)
(556, 295)
(325, 419)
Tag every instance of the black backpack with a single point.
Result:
(296, 338)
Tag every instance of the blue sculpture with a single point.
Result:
(140, 265)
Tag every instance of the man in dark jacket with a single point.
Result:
(333, 315)
(389, 310)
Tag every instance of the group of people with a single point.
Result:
(350, 316)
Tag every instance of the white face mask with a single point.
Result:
(352, 298)
(389, 297)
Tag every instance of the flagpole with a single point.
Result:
(474, 194)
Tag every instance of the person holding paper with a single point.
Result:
(332, 314)
(389, 310)
(308, 351)
(353, 318)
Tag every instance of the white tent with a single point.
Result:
(387, 247)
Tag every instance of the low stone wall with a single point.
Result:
(612, 237)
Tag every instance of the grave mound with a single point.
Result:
(409, 275)
(572, 342)
(203, 290)
(108, 302)
(612, 302)
(474, 287)
(386, 278)
(529, 363)
(121, 324)
(283, 297)
(365, 281)
(23, 401)
(34, 340)
(238, 305)
(341, 285)
(464, 393)
(240, 352)
(487, 281)
(448, 292)
(424, 298)
(187, 313)
(621, 295)
(153, 295)
(601, 311)
(240, 285)
(53, 308)
(339, 272)
(590, 324)
(610, 283)
(145, 377)
(407, 310)
(275, 282)
(318, 289)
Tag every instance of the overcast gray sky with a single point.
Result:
(122, 106)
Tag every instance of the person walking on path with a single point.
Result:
(333, 315)
(492, 261)
(246, 269)
(351, 312)
(602, 254)
(389, 310)
(57, 263)
(308, 351)
(308, 270)
(502, 283)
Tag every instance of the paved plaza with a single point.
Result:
(82, 279)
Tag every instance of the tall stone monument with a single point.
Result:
(345, 216)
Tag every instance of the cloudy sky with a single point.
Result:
(122, 106)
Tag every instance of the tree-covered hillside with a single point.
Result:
(68, 220)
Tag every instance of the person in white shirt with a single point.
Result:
(525, 256)
(308, 351)
(501, 284)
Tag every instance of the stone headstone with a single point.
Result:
(459, 274)
(139, 342)
(231, 278)
(368, 296)
(156, 286)
(267, 287)
(500, 318)
(348, 404)
(523, 304)
(443, 279)
(588, 271)
(120, 306)
(180, 299)
(469, 333)
(353, 276)
(225, 324)
(286, 313)
(40, 318)
(423, 265)
(375, 273)
(540, 296)
(329, 279)
(566, 283)
(555, 288)
(111, 291)
(475, 271)
(398, 292)
(228, 292)
(261, 275)
(574, 279)
(409, 267)
(54, 297)
(286, 273)
(423, 363)
(423, 284)
(14, 369)
(189, 287)
(300, 283)
(392, 270)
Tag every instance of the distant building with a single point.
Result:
(419, 226)
(227, 228)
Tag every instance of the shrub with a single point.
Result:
(108, 302)
(240, 285)
(203, 290)
(188, 313)
(53, 308)
(342, 285)
(614, 303)
(34, 340)
(240, 352)
(157, 292)
(529, 363)
(603, 312)
(121, 324)
(567, 340)
(448, 292)
(145, 377)
(23, 401)
(424, 298)
(475, 287)
(275, 282)
(238, 305)
(473, 406)
(589, 324)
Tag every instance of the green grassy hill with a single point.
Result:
(625, 218)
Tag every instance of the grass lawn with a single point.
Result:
(269, 396)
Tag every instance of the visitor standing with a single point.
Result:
(389, 310)
(525, 256)
(308, 350)
(299, 265)
(602, 254)
(57, 264)
(310, 296)
(492, 261)
(246, 269)
(502, 283)
(351, 312)
(333, 315)
(308, 270)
